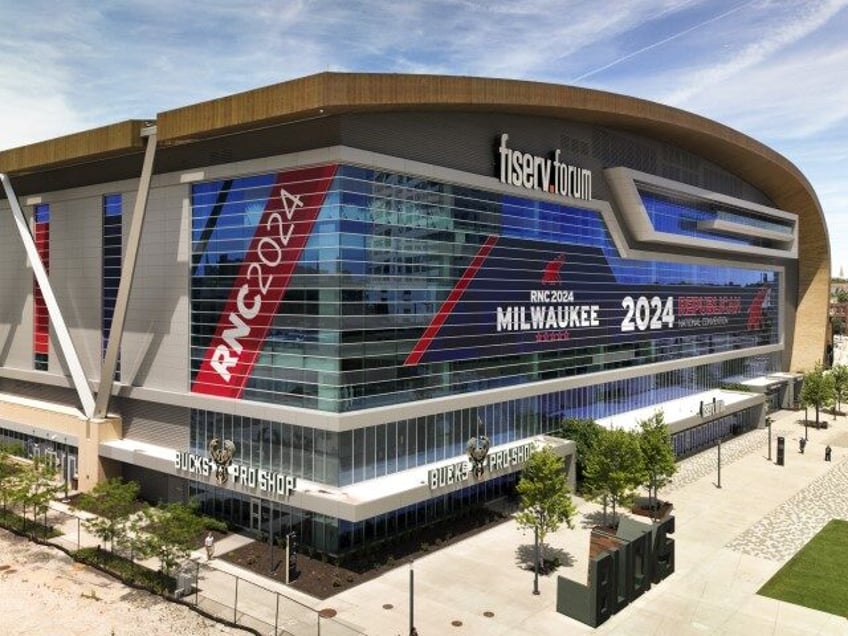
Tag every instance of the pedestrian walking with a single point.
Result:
(209, 542)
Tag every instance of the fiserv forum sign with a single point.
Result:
(542, 173)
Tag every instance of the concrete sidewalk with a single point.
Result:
(729, 542)
(220, 588)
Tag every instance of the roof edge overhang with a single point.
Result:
(82, 147)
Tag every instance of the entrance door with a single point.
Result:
(255, 515)
(71, 470)
(53, 457)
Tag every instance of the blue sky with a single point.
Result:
(776, 70)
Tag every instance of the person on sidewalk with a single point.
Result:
(209, 542)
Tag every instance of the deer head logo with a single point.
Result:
(477, 449)
(222, 455)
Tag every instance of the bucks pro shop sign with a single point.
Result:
(478, 463)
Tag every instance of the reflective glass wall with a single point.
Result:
(370, 452)
(404, 288)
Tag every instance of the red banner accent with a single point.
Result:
(286, 224)
(468, 275)
(41, 317)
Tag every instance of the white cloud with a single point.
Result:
(770, 68)
(770, 38)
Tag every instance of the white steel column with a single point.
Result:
(116, 330)
(56, 319)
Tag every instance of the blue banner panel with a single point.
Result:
(529, 297)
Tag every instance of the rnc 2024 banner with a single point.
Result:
(519, 296)
(269, 263)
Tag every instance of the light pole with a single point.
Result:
(768, 424)
(411, 599)
(65, 467)
(536, 560)
(719, 464)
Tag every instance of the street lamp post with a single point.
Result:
(719, 464)
(412, 630)
(65, 467)
(536, 560)
(768, 424)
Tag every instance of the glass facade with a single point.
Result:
(40, 316)
(379, 450)
(111, 266)
(681, 216)
(337, 536)
(340, 459)
(698, 438)
(402, 289)
(407, 289)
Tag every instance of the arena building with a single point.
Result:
(351, 304)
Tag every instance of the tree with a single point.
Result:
(35, 486)
(657, 454)
(172, 532)
(9, 470)
(113, 501)
(817, 389)
(837, 324)
(615, 468)
(545, 498)
(585, 433)
(839, 374)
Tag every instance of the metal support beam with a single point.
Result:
(116, 330)
(56, 319)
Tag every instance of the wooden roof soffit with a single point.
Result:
(82, 147)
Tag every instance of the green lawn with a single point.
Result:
(815, 577)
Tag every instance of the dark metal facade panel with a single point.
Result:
(45, 392)
(154, 423)
(467, 142)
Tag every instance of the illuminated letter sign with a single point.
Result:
(540, 173)
(264, 481)
(281, 235)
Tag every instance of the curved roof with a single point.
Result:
(327, 94)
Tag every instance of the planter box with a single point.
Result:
(661, 510)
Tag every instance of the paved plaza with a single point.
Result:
(729, 541)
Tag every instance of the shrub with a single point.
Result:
(215, 525)
(129, 572)
(21, 525)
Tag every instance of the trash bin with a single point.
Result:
(185, 584)
(781, 443)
